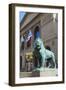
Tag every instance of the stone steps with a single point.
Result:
(44, 73)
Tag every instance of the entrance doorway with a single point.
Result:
(37, 32)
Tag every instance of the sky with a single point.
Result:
(21, 15)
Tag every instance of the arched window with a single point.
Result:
(37, 32)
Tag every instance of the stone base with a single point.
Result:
(49, 72)
(44, 73)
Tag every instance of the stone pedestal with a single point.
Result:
(45, 72)
(49, 72)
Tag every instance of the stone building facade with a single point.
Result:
(48, 24)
